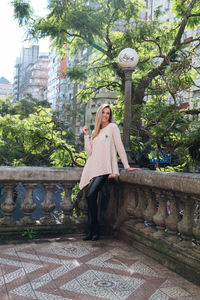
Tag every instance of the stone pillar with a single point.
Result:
(172, 220)
(160, 217)
(8, 206)
(48, 205)
(66, 203)
(83, 218)
(131, 206)
(28, 205)
(127, 112)
(139, 211)
(186, 224)
(150, 211)
(196, 229)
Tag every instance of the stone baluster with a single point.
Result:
(66, 203)
(83, 218)
(141, 206)
(196, 229)
(173, 218)
(28, 205)
(131, 206)
(185, 226)
(48, 205)
(150, 211)
(160, 217)
(8, 206)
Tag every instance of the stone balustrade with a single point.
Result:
(157, 212)
(30, 177)
(163, 205)
(159, 204)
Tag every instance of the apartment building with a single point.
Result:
(5, 88)
(31, 74)
(36, 80)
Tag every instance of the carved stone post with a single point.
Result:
(172, 220)
(8, 206)
(196, 229)
(139, 211)
(28, 205)
(66, 203)
(150, 211)
(48, 205)
(83, 218)
(160, 217)
(131, 206)
(186, 224)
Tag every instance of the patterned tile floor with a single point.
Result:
(67, 268)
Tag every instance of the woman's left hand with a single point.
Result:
(113, 175)
(132, 169)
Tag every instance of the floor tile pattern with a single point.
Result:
(67, 268)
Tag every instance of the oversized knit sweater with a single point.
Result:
(102, 154)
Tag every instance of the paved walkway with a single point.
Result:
(68, 268)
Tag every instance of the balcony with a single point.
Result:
(156, 213)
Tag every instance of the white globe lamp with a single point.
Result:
(128, 58)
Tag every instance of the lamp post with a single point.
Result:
(128, 59)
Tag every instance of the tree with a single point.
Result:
(35, 140)
(107, 26)
(5, 105)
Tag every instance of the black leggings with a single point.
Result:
(92, 190)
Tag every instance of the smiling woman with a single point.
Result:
(101, 163)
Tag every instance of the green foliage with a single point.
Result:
(180, 9)
(35, 139)
(29, 233)
(22, 11)
(171, 130)
(178, 168)
(4, 106)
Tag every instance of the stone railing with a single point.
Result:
(163, 205)
(29, 178)
(159, 213)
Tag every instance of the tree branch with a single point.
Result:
(157, 44)
(92, 44)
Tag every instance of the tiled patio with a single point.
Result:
(68, 268)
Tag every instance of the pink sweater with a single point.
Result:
(102, 154)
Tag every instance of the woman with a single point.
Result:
(101, 163)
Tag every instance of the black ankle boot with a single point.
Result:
(95, 237)
(88, 237)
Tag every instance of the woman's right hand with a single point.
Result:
(85, 130)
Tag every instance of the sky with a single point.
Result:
(12, 37)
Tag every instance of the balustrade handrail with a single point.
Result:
(179, 182)
(40, 174)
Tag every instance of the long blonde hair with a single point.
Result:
(98, 119)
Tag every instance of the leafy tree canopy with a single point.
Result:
(35, 139)
(166, 59)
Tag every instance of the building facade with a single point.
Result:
(53, 80)
(36, 80)
(31, 74)
(5, 88)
